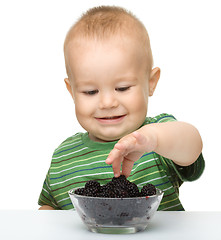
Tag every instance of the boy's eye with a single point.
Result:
(122, 89)
(92, 92)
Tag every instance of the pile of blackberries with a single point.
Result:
(117, 188)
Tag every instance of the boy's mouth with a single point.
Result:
(111, 119)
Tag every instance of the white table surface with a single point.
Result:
(62, 225)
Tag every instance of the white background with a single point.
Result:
(37, 113)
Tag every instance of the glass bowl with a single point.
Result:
(116, 215)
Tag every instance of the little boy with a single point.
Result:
(110, 76)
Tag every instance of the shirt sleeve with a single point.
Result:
(46, 197)
(191, 172)
(164, 117)
(184, 173)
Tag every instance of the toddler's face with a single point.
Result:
(109, 85)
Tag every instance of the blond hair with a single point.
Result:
(103, 22)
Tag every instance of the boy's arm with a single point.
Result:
(178, 141)
(46, 207)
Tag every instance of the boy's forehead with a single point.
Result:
(79, 51)
(79, 44)
(81, 47)
(84, 53)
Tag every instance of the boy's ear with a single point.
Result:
(68, 86)
(154, 78)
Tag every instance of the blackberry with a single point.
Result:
(133, 190)
(103, 194)
(120, 193)
(117, 188)
(107, 190)
(79, 191)
(148, 190)
(92, 188)
(89, 192)
(121, 178)
(92, 184)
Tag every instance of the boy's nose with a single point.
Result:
(107, 101)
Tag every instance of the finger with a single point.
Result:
(126, 145)
(116, 166)
(114, 154)
(118, 150)
(115, 158)
(127, 167)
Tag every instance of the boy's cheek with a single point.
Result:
(83, 108)
(137, 102)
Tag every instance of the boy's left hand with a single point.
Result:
(128, 150)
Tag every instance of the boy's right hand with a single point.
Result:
(128, 150)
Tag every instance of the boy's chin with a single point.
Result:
(104, 138)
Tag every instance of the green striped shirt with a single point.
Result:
(79, 159)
